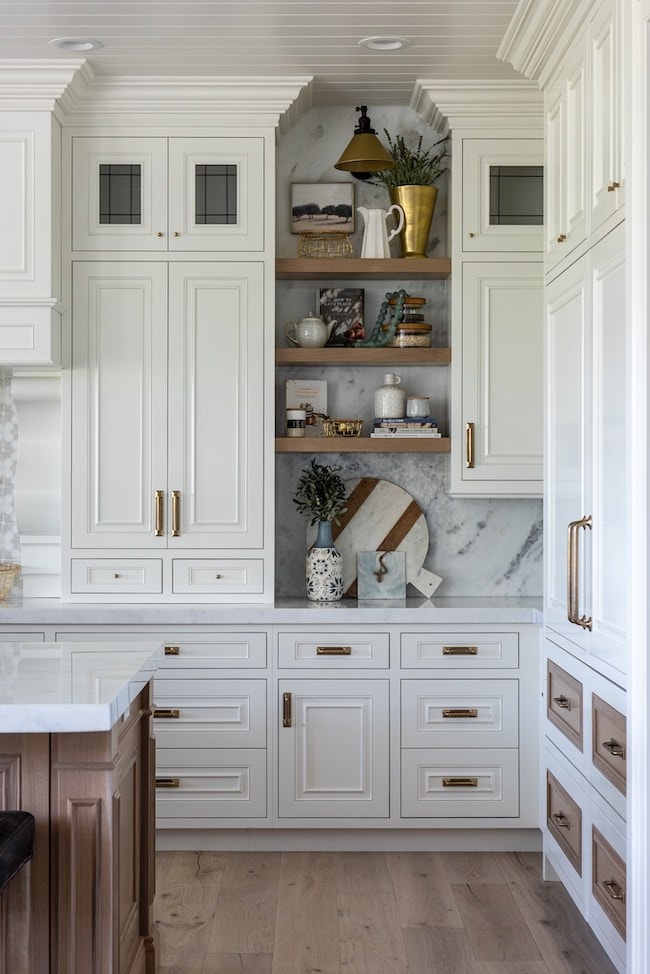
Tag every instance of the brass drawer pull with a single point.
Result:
(172, 650)
(561, 238)
(166, 713)
(561, 820)
(176, 513)
(469, 445)
(460, 782)
(286, 710)
(460, 650)
(168, 782)
(563, 702)
(334, 650)
(613, 186)
(159, 510)
(614, 890)
(614, 748)
(460, 712)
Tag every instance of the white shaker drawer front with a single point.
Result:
(210, 713)
(460, 650)
(460, 713)
(447, 783)
(116, 575)
(209, 784)
(228, 576)
(234, 649)
(304, 649)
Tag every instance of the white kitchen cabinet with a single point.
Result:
(160, 194)
(497, 435)
(607, 181)
(333, 749)
(586, 448)
(167, 440)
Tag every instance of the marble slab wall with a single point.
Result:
(480, 547)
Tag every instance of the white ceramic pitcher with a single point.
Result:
(375, 236)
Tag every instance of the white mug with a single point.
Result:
(417, 406)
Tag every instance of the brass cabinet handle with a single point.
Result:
(612, 187)
(166, 713)
(561, 238)
(159, 509)
(614, 748)
(176, 233)
(470, 234)
(460, 712)
(176, 513)
(286, 710)
(614, 889)
(563, 702)
(459, 650)
(168, 782)
(561, 820)
(460, 782)
(160, 234)
(334, 650)
(469, 445)
(573, 573)
(172, 650)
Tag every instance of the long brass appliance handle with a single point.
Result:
(469, 445)
(286, 710)
(159, 513)
(573, 573)
(176, 513)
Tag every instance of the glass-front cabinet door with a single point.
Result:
(158, 194)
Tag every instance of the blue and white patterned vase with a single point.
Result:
(324, 574)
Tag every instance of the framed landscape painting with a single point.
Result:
(322, 207)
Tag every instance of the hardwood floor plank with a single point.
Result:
(362, 872)
(306, 929)
(422, 890)
(472, 867)
(244, 921)
(237, 964)
(513, 967)
(495, 926)
(564, 938)
(370, 935)
(439, 951)
(184, 912)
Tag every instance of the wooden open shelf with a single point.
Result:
(342, 268)
(361, 444)
(362, 356)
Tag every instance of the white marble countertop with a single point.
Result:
(417, 611)
(67, 687)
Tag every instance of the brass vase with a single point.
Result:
(418, 203)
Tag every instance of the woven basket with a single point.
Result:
(8, 574)
(335, 243)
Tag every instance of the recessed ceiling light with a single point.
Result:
(384, 43)
(76, 43)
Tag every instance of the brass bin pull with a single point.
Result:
(159, 513)
(459, 650)
(469, 445)
(176, 513)
(561, 820)
(168, 782)
(460, 712)
(166, 713)
(172, 650)
(460, 782)
(614, 889)
(286, 710)
(563, 702)
(614, 748)
(334, 650)
(573, 573)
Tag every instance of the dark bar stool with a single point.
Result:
(16, 843)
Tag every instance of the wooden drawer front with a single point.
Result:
(460, 713)
(460, 650)
(116, 575)
(608, 880)
(209, 784)
(564, 821)
(201, 576)
(235, 649)
(210, 713)
(609, 742)
(333, 649)
(449, 783)
(564, 706)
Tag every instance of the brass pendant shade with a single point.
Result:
(364, 153)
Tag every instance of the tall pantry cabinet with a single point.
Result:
(575, 52)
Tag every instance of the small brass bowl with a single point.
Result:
(342, 427)
(8, 574)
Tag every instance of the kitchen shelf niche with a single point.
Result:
(362, 444)
(373, 269)
(362, 356)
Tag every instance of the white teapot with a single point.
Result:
(375, 236)
(310, 332)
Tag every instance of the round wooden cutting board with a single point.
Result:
(382, 516)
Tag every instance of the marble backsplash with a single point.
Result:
(479, 547)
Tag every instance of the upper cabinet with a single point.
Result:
(176, 194)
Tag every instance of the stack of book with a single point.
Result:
(426, 426)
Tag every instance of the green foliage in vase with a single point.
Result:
(320, 495)
(414, 167)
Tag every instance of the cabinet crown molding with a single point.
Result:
(36, 85)
(540, 33)
(479, 105)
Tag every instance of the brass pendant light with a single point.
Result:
(364, 153)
